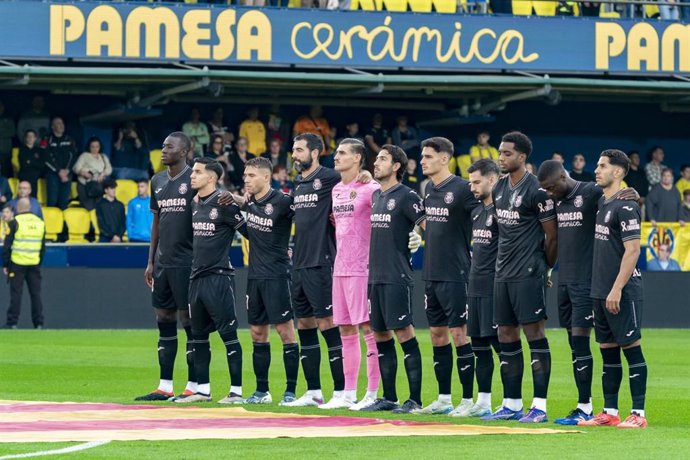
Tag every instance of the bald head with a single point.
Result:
(23, 205)
(554, 179)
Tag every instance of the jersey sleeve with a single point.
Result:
(470, 203)
(153, 203)
(287, 202)
(629, 218)
(233, 216)
(546, 210)
(414, 207)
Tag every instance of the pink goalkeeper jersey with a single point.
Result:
(352, 213)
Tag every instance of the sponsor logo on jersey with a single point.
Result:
(507, 214)
(316, 184)
(448, 198)
(183, 188)
(268, 209)
(603, 229)
(213, 214)
(390, 205)
(307, 198)
(434, 211)
(380, 217)
(262, 221)
(578, 201)
(206, 226)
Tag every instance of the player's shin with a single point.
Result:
(584, 372)
(465, 364)
(261, 360)
(541, 371)
(189, 355)
(611, 378)
(335, 357)
(233, 351)
(373, 372)
(202, 361)
(291, 363)
(638, 377)
(167, 350)
(310, 357)
(413, 368)
(388, 363)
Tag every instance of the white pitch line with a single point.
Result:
(65, 450)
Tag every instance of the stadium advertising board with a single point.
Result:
(228, 36)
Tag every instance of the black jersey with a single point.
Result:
(314, 232)
(171, 199)
(449, 207)
(214, 228)
(394, 214)
(520, 209)
(484, 250)
(269, 222)
(617, 221)
(576, 214)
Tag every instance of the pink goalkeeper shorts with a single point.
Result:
(350, 303)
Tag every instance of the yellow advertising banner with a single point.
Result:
(667, 241)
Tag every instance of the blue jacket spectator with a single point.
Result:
(130, 158)
(24, 191)
(139, 215)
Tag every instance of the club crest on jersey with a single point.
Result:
(448, 198)
(578, 201)
(268, 209)
(518, 201)
(183, 188)
(317, 184)
(213, 214)
(391, 204)
(608, 217)
(353, 195)
(489, 220)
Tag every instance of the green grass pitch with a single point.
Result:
(115, 366)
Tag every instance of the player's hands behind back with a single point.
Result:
(414, 242)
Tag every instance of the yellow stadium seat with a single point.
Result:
(54, 221)
(156, 162)
(125, 191)
(545, 8)
(651, 11)
(14, 183)
(464, 162)
(42, 192)
(94, 222)
(15, 160)
(522, 8)
(73, 193)
(78, 223)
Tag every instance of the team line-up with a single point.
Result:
(490, 245)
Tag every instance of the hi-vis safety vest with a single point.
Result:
(28, 239)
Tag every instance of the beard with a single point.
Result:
(303, 165)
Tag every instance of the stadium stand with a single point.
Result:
(54, 221)
(125, 191)
(78, 222)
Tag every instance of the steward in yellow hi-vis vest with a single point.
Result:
(21, 260)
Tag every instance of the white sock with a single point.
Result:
(371, 394)
(513, 404)
(484, 399)
(236, 390)
(613, 412)
(350, 395)
(445, 399)
(586, 408)
(539, 403)
(191, 386)
(463, 400)
(204, 388)
(315, 394)
(338, 394)
(639, 412)
(166, 385)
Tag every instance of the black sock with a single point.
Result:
(465, 363)
(583, 368)
(233, 350)
(291, 363)
(485, 364)
(167, 349)
(512, 368)
(310, 357)
(335, 357)
(611, 376)
(189, 355)
(261, 359)
(541, 366)
(443, 368)
(573, 358)
(388, 364)
(413, 368)
(202, 358)
(638, 376)
(496, 345)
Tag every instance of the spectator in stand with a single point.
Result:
(663, 201)
(7, 130)
(501, 6)
(5, 190)
(130, 157)
(24, 191)
(578, 172)
(406, 137)
(663, 262)
(669, 12)
(277, 126)
(683, 183)
(197, 131)
(111, 215)
(482, 149)
(685, 210)
(5, 219)
(237, 161)
(352, 129)
(254, 131)
(280, 180)
(36, 118)
(31, 161)
(590, 9)
(139, 215)
(530, 168)
(218, 126)
(276, 154)
(91, 168)
(412, 177)
(637, 178)
(314, 123)
(655, 165)
(60, 155)
(558, 156)
(374, 139)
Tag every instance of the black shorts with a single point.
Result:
(480, 321)
(212, 304)
(519, 302)
(390, 306)
(312, 292)
(445, 303)
(575, 306)
(623, 328)
(171, 288)
(268, 301)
